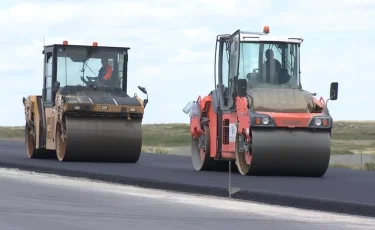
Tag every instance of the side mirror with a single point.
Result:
(242, 87)
(333, 92)
(142, 89)
(56, 86)
(145, 101)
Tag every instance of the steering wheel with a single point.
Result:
(91, 81)
(255, 70)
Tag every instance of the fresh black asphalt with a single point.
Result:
(340, 190)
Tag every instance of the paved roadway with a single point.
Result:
(33, 201)
(176, 172)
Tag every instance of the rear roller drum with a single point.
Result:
(200, 154)
(100, 139)
(285, 152)
(60, 144)
(31, 150)
(243, 154)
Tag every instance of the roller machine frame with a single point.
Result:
(263, 126)
(78, 119)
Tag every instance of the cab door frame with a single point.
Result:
(48, 97)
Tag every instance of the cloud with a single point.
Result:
(154, 70)
(173, 45)
(228, 9)
(188, 56)
(26, 13)
(330, 17)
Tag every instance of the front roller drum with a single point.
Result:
(286, 152)
(100, 139)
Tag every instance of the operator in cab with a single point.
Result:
(105, 73)
(271, 68)
(271, 72)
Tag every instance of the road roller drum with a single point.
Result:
(100, 139)
(286, 152)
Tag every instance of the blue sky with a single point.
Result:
(172, 46)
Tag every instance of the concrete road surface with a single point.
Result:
(44, 202)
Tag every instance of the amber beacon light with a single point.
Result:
(266, 29)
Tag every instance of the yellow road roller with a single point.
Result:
(84, 112)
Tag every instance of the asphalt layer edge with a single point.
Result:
(309, 203)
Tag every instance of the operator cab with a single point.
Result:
(82, 69)
(264, 61)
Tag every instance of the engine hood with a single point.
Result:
(104, 95)
(281, 100)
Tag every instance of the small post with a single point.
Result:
(230, 189)
(361, 157)
(230, 184)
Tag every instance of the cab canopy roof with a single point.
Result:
(264, 36)
(94, 44)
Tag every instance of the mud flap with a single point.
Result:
(290, 152)
(104, 139)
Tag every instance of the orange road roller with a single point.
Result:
(259, 116)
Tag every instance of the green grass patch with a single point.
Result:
(170, 135)
(369, 166)
(348, 137)
(156, 149)
(353, 137)
(12, 132)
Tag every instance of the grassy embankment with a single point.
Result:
(348, 137)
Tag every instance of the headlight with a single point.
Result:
(321, 122)
(261, 120)
(318, 122)
(265, 120)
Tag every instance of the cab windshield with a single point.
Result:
(89, 66)
(269, 65)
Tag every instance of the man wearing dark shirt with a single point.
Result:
(271, 68)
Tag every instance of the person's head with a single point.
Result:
(104, 61)
(269, 54)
